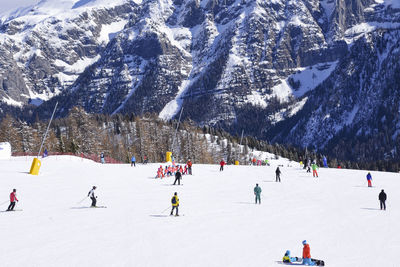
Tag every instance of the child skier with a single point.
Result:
(185, 171)
(175, 204)
(13, 198)
(102, 159)
(92, 196)
(369, 179)
(133, 161)
(314, 170)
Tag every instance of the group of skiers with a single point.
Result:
(258, 162)
(171, 170)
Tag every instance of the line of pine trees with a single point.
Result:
(121, 136)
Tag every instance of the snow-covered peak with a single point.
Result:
(33, 14)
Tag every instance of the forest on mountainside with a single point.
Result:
(121, 136)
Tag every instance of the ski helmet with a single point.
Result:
(304, 242)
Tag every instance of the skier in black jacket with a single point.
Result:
(278, 174)
(178, 177)
(382, 199)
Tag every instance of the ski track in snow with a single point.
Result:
(336, 213)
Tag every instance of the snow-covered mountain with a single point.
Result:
(302, 72)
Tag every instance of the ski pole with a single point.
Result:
(165, 209)
(82, 200)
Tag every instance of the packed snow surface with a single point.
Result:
(336, 213)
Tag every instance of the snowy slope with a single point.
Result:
(221, 226)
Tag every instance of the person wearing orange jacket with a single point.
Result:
(189, 164)
(307, 254)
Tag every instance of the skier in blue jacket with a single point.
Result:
(133, 161)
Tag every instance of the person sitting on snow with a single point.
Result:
(289, 259)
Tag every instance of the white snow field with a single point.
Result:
(336, 213)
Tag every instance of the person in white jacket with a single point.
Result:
(92, 196)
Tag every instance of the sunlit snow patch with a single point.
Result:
(304, 80)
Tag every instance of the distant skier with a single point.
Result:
(178, 177)
(314, 170)
(278, 174)
(189, 164)
(382, 199)
(92, 196)
(102, 159)
(289, 259)
(175, 204)
(145, 160)
(325, 162)
(222, 163)
(257, 193)
(45, 153)
(307, 254)
(369, 179)
(13, 198)
(133, 161)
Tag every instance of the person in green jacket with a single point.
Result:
(314, 170)
(257, 193)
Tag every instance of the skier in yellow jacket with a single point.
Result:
(175, 204)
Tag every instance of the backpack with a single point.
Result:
(173, 200)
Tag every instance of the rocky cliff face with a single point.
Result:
(302, 72)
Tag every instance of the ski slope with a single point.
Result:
(336, 213)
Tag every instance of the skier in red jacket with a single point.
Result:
(13, 198)
(222, 163)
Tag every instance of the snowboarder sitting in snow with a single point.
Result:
(289, 259)
(175, 203)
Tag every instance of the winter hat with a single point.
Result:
(287, 253)
(304, 242)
